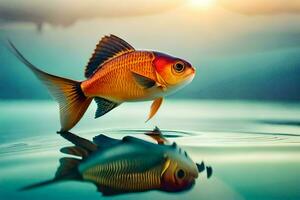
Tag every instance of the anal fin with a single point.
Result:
(104, 106)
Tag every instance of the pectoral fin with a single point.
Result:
(154, 107)
(143, 81)
(166, 166)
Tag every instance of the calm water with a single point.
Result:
(254, 148)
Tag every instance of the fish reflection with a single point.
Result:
(127, 165)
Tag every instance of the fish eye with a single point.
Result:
(179, 67)
(180, 174)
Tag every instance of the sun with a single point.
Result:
(202, 3)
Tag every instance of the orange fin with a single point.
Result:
(109, 47)
(72, 102)
(154, 107)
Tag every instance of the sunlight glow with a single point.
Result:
(202, 3)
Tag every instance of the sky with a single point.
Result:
(242, 49)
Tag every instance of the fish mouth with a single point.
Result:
(185, 81)
(191, 74)
(188, 78)
(193, 70)
(194, 173)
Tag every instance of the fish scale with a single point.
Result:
(114, 175)
(121, 87)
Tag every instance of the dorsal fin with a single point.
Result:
(108, 47)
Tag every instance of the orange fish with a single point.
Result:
(115, 73)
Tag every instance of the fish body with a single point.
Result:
(115, 80)
(133, 164)
(115, 73)
(126, 165)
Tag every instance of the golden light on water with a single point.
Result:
(202, 3)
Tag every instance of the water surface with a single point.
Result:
(254, 148)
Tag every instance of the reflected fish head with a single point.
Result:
(179, 172)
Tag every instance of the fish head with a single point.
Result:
(179, 172)
(173, 72)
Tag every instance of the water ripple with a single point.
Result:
(186, 138)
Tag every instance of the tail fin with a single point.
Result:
(68, 170)
(72, 101)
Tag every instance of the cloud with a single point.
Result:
(262, 7)
(67, 12)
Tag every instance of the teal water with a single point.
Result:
(253, 147)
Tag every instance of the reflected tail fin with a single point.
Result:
(68, 170)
